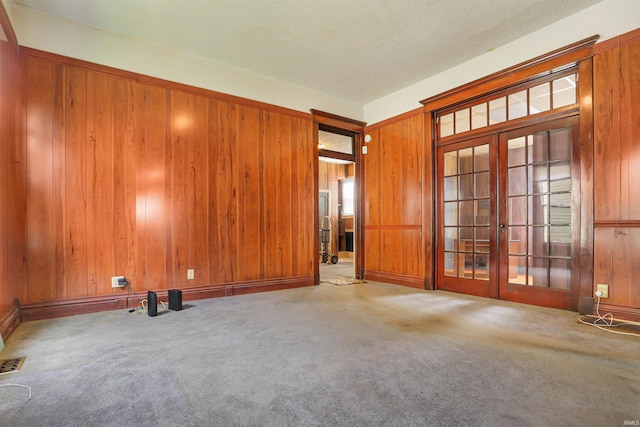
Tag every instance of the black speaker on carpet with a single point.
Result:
(152, 304)
(175, 299)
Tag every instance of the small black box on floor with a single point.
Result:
(175, 299)
(152, 304)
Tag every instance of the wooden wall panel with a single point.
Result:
(393, 202)
(40, 151)
(630, 128)
(148, 181)
(607, 167)
(616, 183)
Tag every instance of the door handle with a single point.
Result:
(501, 228)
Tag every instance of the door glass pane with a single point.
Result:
(481, 267)
(560, 144)
(466, 265)
(467, 212)
(517, 180)
(482, 184)
(482, 239)
(517, 154)
(538, 179)
(481, 158)
(451, 213)
(450, 238)
(466, 239)
(451, 188)
(560, 176)
(450, 163)
(539, 146)
(466, 186)
(539, 272)
(517, 210)
(517, 240)
(482, 211)
(538, 209)
(450, 264)
(518, 270)
(560, 209)
(538, 241)
(465, 161)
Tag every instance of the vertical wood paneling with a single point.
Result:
(7, 286)
(630, 128)
(120, 120)
(154, 184)
(199, 188)
(130, 179)
(75, 212)
(39, 144)
(16, 181)
(393, 200)
(99, 183)
(179, 192)
(251, 198)
(606, 136)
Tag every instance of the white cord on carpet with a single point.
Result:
(608, 321)
(15, 385)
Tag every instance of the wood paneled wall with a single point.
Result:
(616, 166)
(11, 194)
(393, 212)
(149, 180)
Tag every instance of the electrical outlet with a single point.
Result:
(603, 289)
(190, 274)
(115, 283)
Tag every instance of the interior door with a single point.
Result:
(467, 244)
(539, 211)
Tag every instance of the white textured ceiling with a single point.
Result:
(358, 50)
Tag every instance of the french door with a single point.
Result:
(509, 215)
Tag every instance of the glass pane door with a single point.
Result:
(538, 215)
(466, 215)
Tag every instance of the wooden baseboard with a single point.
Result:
(69, 307)
(396, 279)
(9, 323)
(619, 312)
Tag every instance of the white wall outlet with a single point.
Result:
(115, 283)
(603, 289)
(191, 274)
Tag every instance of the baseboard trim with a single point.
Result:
(70, 307)
(9, 323)
(396, 279)
(619, 312)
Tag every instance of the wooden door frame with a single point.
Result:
(355, 128)
(580, 53)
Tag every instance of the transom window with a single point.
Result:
(521, 102)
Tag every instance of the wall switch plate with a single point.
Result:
(603, 289)
(115, 282)
(190, 274)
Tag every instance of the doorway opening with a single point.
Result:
(336, 203)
